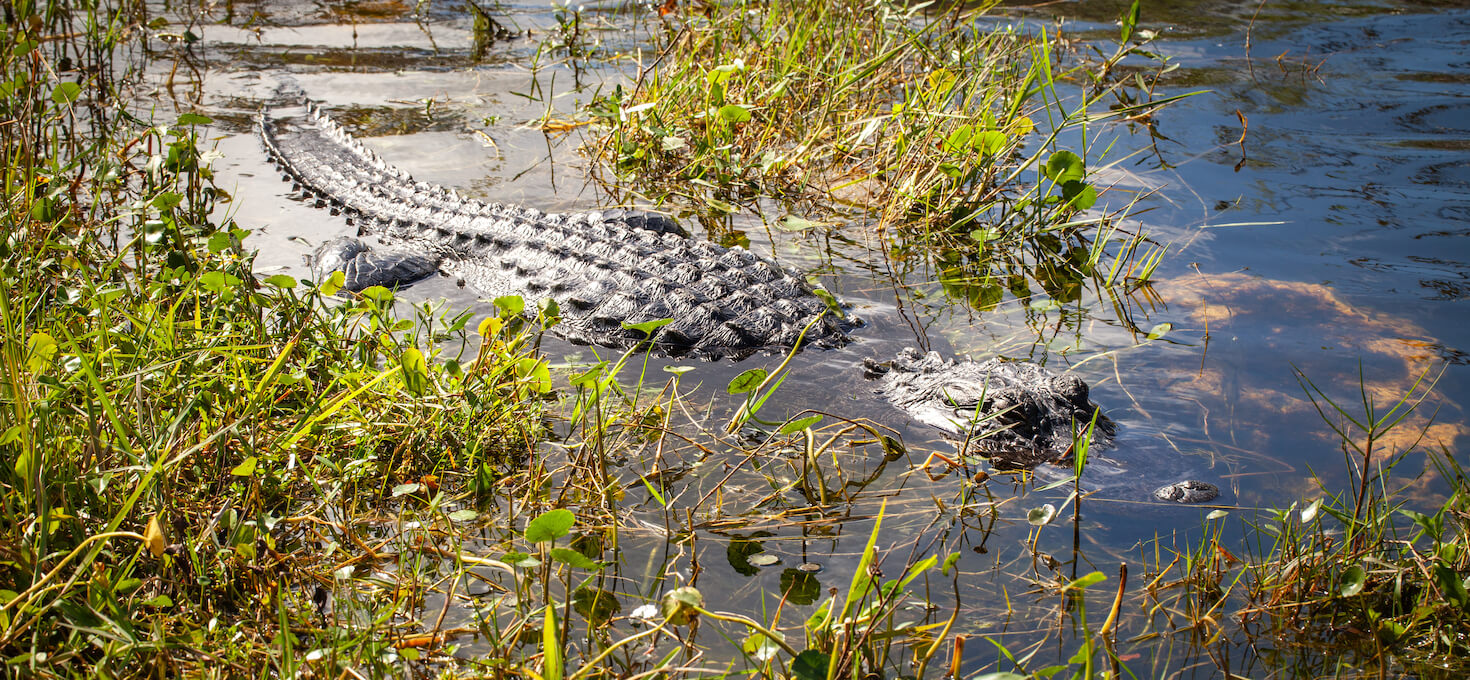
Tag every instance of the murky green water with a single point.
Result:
(1327, 235)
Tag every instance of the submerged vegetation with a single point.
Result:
(204, 472)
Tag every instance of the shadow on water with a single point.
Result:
(1315, 204)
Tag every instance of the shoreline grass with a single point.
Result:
(204, 473)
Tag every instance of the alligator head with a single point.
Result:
(1016, 413)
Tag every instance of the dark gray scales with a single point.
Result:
(605, 268)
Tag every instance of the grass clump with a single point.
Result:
(188, 455)
(942, 123)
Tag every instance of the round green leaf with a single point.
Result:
(550, 526)
(1063, 167)
(66, 93)
(1041, 516)
(1159, 330)
(680, 605)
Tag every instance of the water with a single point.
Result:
(1316, 200)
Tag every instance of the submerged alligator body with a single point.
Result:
(614, 268)
(606, 269)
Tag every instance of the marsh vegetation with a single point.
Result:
(207, 469)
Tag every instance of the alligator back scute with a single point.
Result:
(606, 268)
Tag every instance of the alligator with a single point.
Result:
(612, 270)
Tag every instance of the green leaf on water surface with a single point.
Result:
(747, 380)
(194, 119)
(794, 223)
(1217, 514)
(1041, 516)
(760, 647)
(1353, 580)
(520, 559)
(596, 605)
(168, 200)
(990, 142)
(465, 515)
(406, 489)
(800, 424)
(734, 113)
(1160, 330)
(764, 560)
(678, 370)
(1063, 167)
(551, 525)
(575, 559)
(218, 281)
(66, 93)
(679, 605)
(245, 468)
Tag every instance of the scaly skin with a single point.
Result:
(609, 268)
(603, 268)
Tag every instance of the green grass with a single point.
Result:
(935, 123)
(204, 473)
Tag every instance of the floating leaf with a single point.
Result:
(1079, 195)
(1353, 580)
(1160, 330)
(959, 141)
(66, 93)
(405, 489)
(1063, 167)
(378, 294)
(194, 119)
(680, 605)
(536, 373)
(595, 604)
(333, 284)
(810, 665)
(465, 515)
(764, 560)
(550, 526)
(647, 327)
(1041, 516)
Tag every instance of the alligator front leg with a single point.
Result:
(362, 267)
